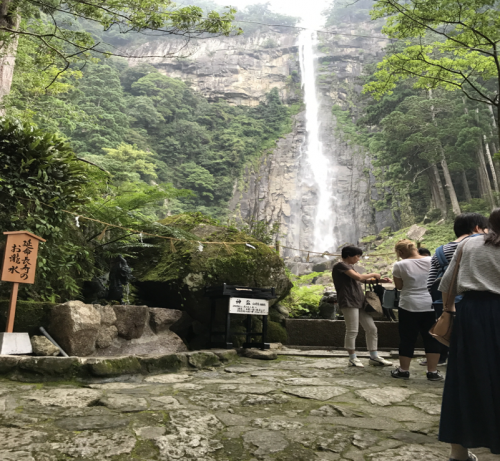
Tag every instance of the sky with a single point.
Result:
(309, 11)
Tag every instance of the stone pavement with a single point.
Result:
(291, 409)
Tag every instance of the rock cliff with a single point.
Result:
(239, 69)
(277, 187)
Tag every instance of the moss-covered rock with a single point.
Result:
(48, 369)
(115, 366)
(276, 333)
(30, 316)
(203, 359)
(177, 274)
(169, 363)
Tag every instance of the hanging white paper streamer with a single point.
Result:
(200, 247)
(77, 222)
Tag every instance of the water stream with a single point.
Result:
(318, 164)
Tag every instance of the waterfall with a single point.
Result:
(319, 166)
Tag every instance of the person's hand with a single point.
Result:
(385, 280)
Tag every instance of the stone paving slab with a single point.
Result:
(297, 408)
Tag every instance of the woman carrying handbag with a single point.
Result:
(470, 415)
(352, 302)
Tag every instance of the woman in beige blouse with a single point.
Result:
(470, 416)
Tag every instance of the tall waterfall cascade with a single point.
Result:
(318, 166)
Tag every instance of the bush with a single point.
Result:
(41, 177)
(304, 300)
(476, 205)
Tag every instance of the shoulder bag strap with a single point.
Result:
(443, 261)
(452, 291)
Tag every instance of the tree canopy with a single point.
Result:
(448, 44)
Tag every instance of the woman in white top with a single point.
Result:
(470, 416)
(416, 314)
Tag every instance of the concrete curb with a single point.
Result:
(44, 369)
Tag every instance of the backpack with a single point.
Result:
(437, 296)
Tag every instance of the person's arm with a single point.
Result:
(396, 273)
(363, 277)
(398, 283)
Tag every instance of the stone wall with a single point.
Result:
(330, 333)
(93, 330)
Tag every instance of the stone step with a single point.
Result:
(290, 350)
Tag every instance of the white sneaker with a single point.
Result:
(380, 362)
(356, 363)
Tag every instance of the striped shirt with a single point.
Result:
(449, 250)
(479, 269)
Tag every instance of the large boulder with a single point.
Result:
(175, 276)
(416, 232)
(325, 265)
(160, 320)
(106, 336)
(75, 326)
(131, 321)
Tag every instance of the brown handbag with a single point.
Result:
(443, 328)
(372, 304)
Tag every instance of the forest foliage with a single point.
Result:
(434, 151)
(121, 145)
(169, 133)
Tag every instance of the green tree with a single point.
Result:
(255, 17)
(199, 180)
(59, 36)
(100, 96)
(126, 163)
(450, 44)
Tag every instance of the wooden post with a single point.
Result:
(11, 314)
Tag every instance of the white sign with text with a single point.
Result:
(248, 306)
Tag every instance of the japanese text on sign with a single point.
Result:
(21, 253)
(248, 306)
(20, 259)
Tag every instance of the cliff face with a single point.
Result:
(240, 69)
(340, 64)
(277, 187)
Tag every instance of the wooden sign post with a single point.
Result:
(19, 266)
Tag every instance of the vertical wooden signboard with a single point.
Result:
(19, 266)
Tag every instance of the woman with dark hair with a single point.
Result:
(351, 301)
(471, 399)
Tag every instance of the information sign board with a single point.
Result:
(21, 251)
(248, 306)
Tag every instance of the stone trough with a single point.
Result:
(88, 369)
